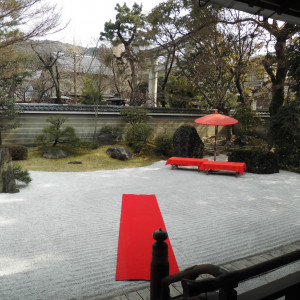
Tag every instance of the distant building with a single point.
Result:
(71, 70)
(116, 100)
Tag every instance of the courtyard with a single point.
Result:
(59, 234)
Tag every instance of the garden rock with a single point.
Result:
(187, 142)
(120, 153)
(55, 153)
(7, 178)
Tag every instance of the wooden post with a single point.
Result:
(159, 266)
(215, 152)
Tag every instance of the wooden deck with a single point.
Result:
(176, 289)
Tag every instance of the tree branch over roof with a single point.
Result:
(26, 19)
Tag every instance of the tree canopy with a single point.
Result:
(128, 30)
(21, 20)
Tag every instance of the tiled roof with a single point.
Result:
(84, 64)
(102, 108)
(113, 108)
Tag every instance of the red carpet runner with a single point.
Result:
(140, 217)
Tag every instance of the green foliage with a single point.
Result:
(255, 142)
(134, 115)
(180, 92)
(56, 134)
(248, 120)
(257, 161)
(207, 68)
(128, 29)
(21, 174)
(8, 114)
(91, 91)
(17, 152)
(285, 134)
(138, 135)
(293, 55)
(164, 144)
(111, 130)
(127, 25)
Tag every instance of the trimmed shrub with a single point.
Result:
(21, 174)
(285, 128)
(17, 152)
(138, 135)
(187, 142)
(164, 144)
(55, 133)
(109, 135)
(258, 161)
(112, 130)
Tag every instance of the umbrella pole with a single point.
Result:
(215, 152)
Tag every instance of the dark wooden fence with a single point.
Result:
(223, 284)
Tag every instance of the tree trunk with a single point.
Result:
(168, 69)
(278, 80)
(277, 96)
(240, 90)
(115, 79)
(75, 79)
(57, 87)
(135, 97)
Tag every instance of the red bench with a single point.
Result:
(185, 161)
(238, 167)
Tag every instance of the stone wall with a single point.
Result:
(81, 118)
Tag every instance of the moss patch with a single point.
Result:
(91, 160)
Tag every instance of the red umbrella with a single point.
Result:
(216, 120)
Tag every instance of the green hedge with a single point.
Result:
(138, 135)
(257, 161)
(17, 152)
(164, 144)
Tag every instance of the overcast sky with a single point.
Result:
(87, 18)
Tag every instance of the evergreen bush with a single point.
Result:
(138, 135)
(109, 135)
(285, 134)
(21, 174)
(111, 130)
(55, 133)
(17, 152)
(164, 144)
(257, 161)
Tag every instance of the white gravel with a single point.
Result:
(59, 234)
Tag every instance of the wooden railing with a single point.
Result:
(223, 284)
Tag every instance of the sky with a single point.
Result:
(87, 18)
